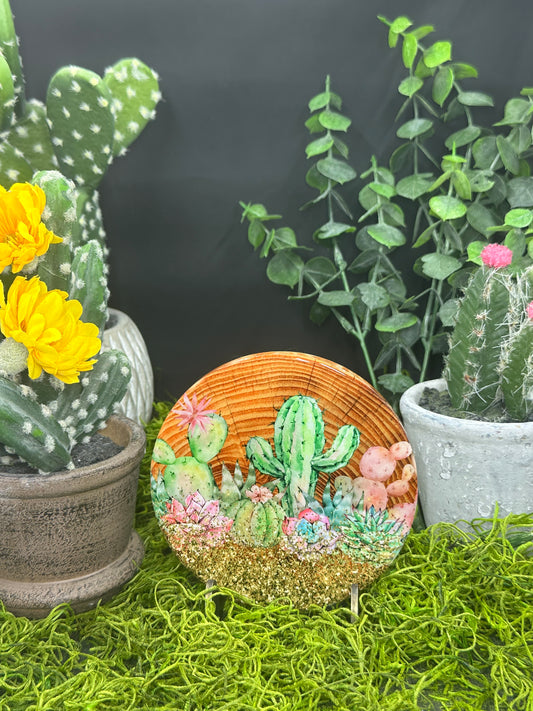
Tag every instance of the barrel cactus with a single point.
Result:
(298, 456)
(56, 387)
(257, 517)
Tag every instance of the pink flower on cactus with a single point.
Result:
(496, 255)
(176, 512)
(194, 413)
(259, 494)
(529, 310)
(313, 517)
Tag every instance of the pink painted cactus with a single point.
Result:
(376, 466)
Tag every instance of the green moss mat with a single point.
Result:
(450, 626)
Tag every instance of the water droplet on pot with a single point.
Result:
(449, 450)
(484, 509)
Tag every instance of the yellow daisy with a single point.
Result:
(22, 234)
(50, 328)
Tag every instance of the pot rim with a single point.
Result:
(67, 482)
(409, 404)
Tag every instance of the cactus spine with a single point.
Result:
(298, 444)
(490, 361)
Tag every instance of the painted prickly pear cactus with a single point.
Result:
(277, 503)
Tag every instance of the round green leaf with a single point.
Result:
(336, 298)
(319, 270)
(516, 111)
(334, 121)
(409, 49)
(396, 322)
(386, 234)
(474, 98)
(336, 170)
(520, 192)
(439, 266)
(413, 128)
(373, 296)
(395, 382)
(447, 207)
(463, 137)
(285, 268)
(442, 85)
(448, 311)
(437, 54)
(518, 217)
(410, 86)
(321, 145)
(413, 186)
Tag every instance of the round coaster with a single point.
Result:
(283, 474)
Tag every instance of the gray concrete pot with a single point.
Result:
(465, 466)
(124, 335)
(68, 536)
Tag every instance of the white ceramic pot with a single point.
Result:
(465, 467)
(124, 335)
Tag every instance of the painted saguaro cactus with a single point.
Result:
(298, 455)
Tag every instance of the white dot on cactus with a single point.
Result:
(65, 268)
(57, 141)
(85, 381)
(68, 160)
(106, 150)
(155, 96)
(133, 126)
(70, 214)
(122, 152)
(86, 439)
(47, 213)
(92, 398)
(96, 170)
(124, 371)
(88, 428)
(21, 131)
(84, 106)
(118, 105)
(93, 81)
(88, 154)
(145, 113)
(82, 413)
(79, 179)
(104, 378)
(75, 87)
(70, 466)
(130, 92)
(47, 412)
(77, 135)
(104, 103)
(75, 404)
(56, 92)
(12, 174)
(101, 413)
(95, 128)
(38, 148)
(66, 112)
(49, 443)
(102, 281)
(27, 427)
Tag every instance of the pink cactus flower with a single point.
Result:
(194, 413)
(529, 310)
(496, 255)
(259, 494)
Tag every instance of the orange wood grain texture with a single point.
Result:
(249, 391)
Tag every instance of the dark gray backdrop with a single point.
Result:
(236, 76)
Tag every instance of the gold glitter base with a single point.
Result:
(265, 574)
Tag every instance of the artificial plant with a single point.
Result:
(451, 181)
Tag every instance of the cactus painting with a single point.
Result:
(300, 497)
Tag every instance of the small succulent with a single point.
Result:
(257, 517)
(199, 520)
(308, 533)
(372, 535)
(490, 361)
(56, 388)
(298, 445)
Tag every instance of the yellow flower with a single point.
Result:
(50, 328)
(22, 234)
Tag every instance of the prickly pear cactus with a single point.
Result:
(298, 445)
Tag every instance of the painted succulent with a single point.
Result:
(200, 521)
(371, 535)
(308, 534)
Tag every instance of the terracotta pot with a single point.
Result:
(68, 536)
(464, 466)
(124, 335)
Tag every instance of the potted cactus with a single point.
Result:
(472, 430)
(85, 122)
(67, 521)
